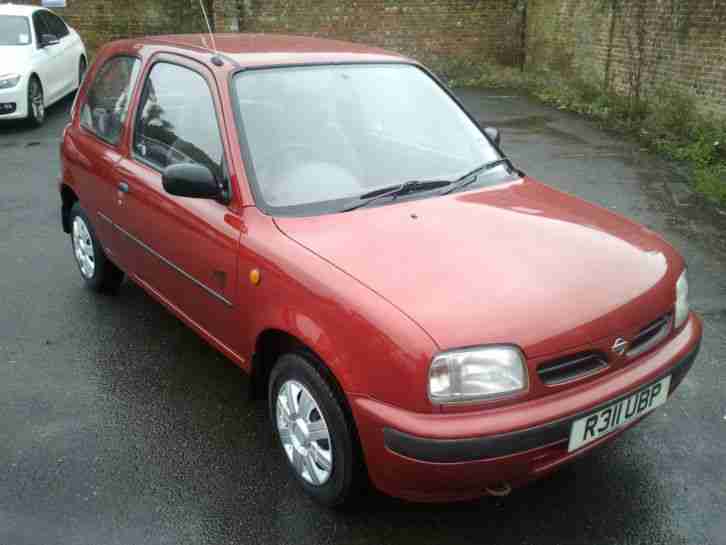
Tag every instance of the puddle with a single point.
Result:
(529, 122)
(535, 124)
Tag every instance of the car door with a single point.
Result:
(184, 250)
(48, 66)
(98, 143)
(67, 56)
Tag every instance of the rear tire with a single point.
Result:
(97, 271)
(336, 460)
(36, 102)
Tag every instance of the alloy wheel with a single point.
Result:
(36, 101)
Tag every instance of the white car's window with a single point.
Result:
(14, 30)
(41, 27)
(55, 24)
(326, 134)
(107, 101)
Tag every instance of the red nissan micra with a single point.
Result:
(417, 310)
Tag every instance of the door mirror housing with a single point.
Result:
(191, 180)
(494, 135)
(47, 40)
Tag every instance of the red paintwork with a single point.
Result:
(377, 292)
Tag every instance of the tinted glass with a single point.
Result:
(14, 30)
(324, 134)
(107, 102)
(41, 27)
(57, 27)
(178, 121)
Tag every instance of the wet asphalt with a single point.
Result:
(119, 425)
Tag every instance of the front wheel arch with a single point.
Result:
(269, 346)
(273, 343)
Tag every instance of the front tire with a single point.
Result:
(313, 432)
(36, 102)
(97, 271)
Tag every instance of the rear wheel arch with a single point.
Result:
(82, 68)
(69, 198)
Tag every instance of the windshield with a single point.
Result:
(14, 30)
(319, 137)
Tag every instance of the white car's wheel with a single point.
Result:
(36, 102)
(82, 67)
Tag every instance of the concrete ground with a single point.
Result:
(119, 425)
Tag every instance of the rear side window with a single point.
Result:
(107, 102)
(177, 121)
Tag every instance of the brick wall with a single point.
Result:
(439, 32)
(634, 46)
(100, 21)
(434, 31)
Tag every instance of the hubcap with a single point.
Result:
(83, 248)
(304, 433)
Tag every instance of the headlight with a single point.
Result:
(9, 80)
(474, 374)
(682, 308)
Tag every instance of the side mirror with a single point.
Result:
(47, 40)
(494, 135)
(190, 180)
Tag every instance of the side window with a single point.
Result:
(39, 26)
(177, 121)
(56, 25)
(107, 102)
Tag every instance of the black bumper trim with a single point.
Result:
(482, 448)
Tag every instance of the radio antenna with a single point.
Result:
(216, 59)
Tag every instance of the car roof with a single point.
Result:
(19, 9)
(249, 50)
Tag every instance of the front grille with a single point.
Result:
(651, 335)
(571, 367)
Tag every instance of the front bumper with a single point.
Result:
(19, 97)
(443, 457)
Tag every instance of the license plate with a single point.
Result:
(592, 427)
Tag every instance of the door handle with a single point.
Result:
(123, 187)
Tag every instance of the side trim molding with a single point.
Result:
(105, 218)
(169, 263)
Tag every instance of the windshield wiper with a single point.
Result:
(398, 190)
(473, 175)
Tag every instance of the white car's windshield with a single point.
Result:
(319, 137)
(14, 30)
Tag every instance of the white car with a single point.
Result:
(41, 60)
